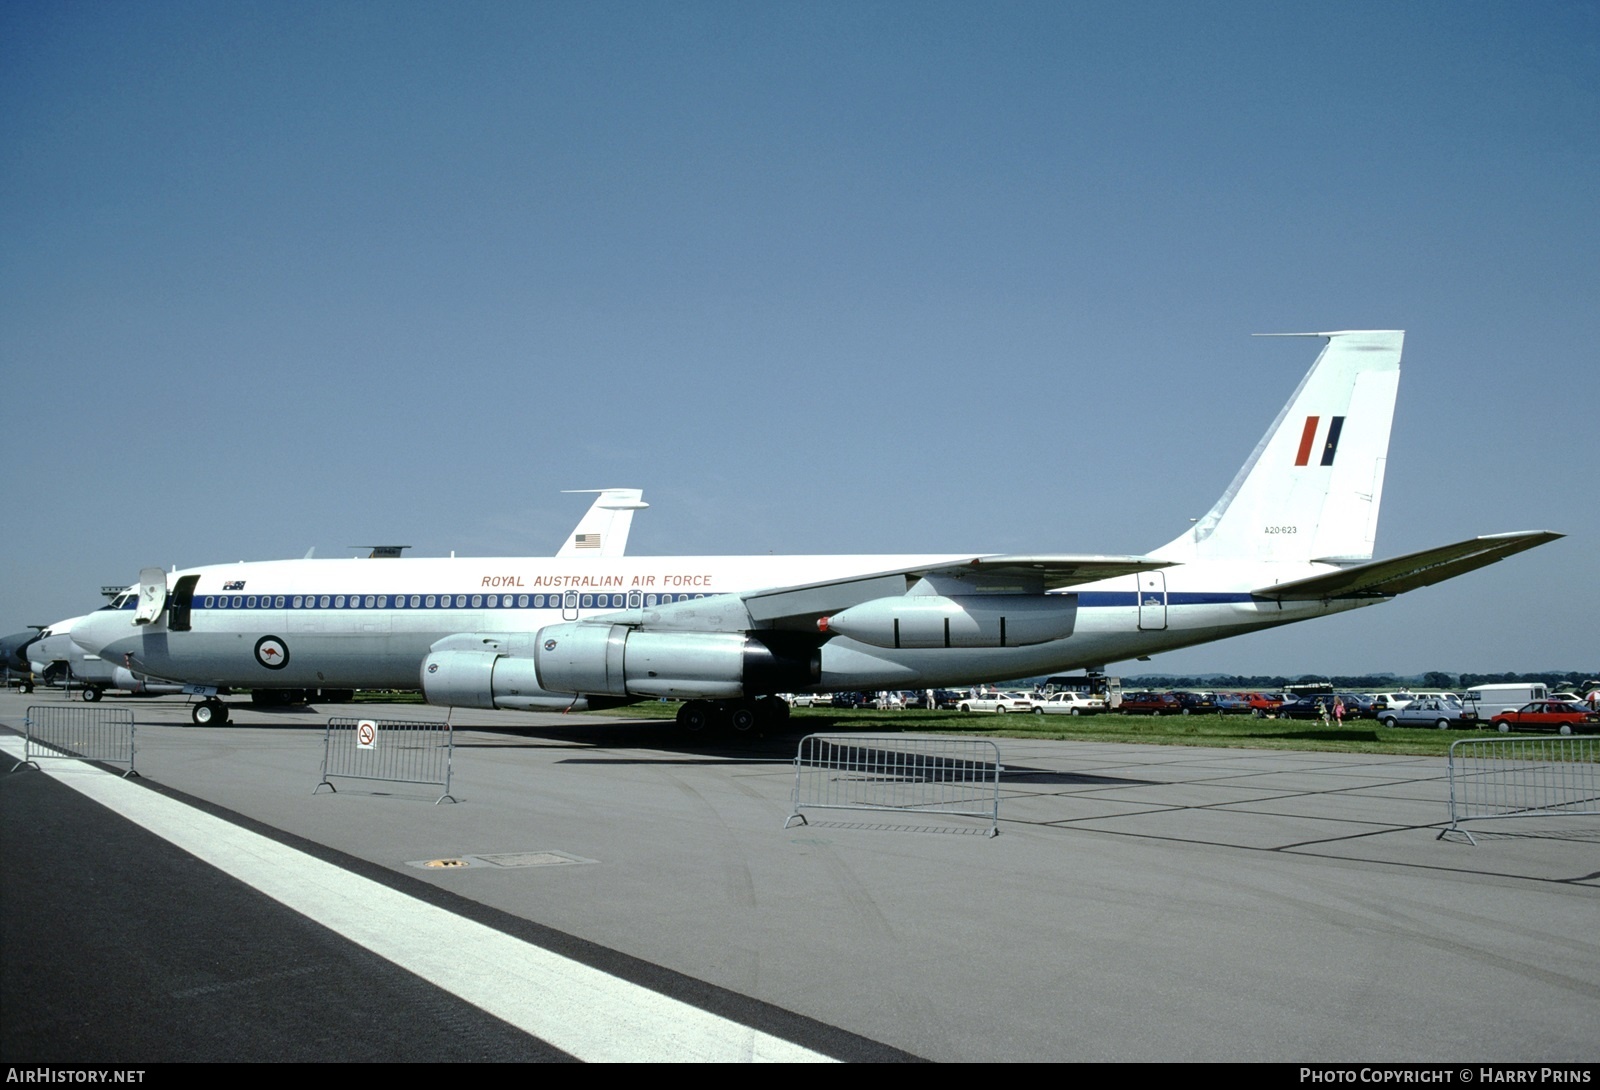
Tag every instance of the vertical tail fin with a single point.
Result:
(1311, 488)
(604, 528)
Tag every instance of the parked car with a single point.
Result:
(1262, 704)
(1394, 701)
(1307, 707)
(999, 703)
(1360, 705)
(1068, 703)
(1151, 704)
(1196, 703)
(1429, 712)
(810, 700)
(1233, 703)
(1553, 715)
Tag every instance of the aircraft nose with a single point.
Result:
(98, 629)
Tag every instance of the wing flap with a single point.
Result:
(1386, 578)
(800, 606)
(1058, 570)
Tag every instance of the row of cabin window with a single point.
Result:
(432, 601)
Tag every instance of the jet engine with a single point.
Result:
(583, 665)
(488, 679)
(619, 660)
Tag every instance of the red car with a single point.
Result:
(1264, 703)
(1151, 704)
(1556, 715)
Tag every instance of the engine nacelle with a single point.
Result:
(584, 665)
(971, 620)
(487, 679)
(615, 659)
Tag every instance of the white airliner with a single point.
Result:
(1291, 539)
(55, 656)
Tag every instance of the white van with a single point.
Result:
(1490, 700)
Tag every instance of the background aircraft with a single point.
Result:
(14, 659)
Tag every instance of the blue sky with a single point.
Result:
(818, 277)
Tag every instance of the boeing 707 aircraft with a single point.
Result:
(1291, 539)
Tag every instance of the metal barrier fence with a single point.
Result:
(1522, 777)
(78, 733)
(956, 776)
(394, 750)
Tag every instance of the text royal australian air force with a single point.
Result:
(589, 581)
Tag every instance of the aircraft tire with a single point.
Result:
(695, 716)
(209, 713)
(742, 718)
(91, 694)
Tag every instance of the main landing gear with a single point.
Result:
(210, 712)
(736, 716)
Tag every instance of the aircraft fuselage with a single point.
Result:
(344, 624)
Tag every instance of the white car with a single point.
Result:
(810, 700)
(999, 703)
(1069, 703)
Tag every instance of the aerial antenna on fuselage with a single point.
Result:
(381, 551)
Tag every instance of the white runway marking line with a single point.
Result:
(579, 1010)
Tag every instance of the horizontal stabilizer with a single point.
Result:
(1385, 578)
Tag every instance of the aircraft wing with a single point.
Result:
(799, 606)
(1385, 578)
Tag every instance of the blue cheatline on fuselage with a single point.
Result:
(410, 601)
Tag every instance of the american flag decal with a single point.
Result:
(1330, 440)
(586, 541)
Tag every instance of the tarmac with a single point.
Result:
(1140, 903)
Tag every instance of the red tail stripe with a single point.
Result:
(1307, 437)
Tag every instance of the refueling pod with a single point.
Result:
(971, 620)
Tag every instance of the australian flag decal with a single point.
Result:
(1329, 436)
